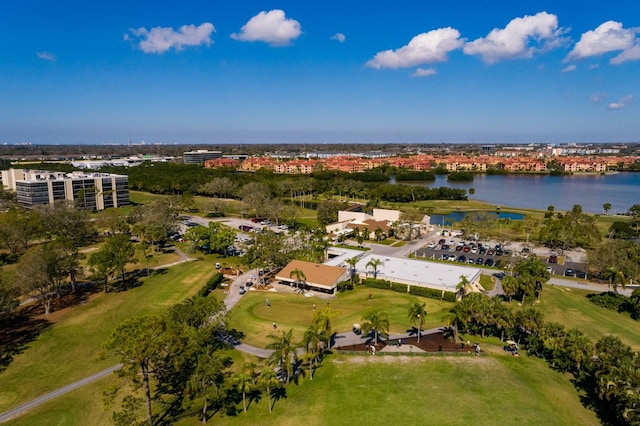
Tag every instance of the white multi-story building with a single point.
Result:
(89, 191)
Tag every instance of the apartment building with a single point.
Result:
(89, 191)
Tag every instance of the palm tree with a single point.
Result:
(615, 276)
(464, 286)
(374, 264)
(376, 321)
(417, 315)
(312, 340)
(379, 233)
(269, 378)
(243, 384)
(352, 267)
(283, 352)
(510, 286)
(299, 275)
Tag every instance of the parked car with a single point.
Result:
(462, 258)
(553, 259)
(550, 270)
(568, 273)
(452, 257)
(471, 261)
(442, 241)
(444, 257)
(432, 245)
(488, 262)
(249, 283)
(466, 249)
(479, 261)
(242, 290)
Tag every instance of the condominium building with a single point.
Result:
(200, 156)
(89, 191)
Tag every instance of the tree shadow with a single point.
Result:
(18, 332)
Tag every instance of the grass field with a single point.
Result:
(571, 307)
(360, 390)
(72, 348)
(254, 318)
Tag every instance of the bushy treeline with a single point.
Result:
(172, 178)
(607, 371)
(414, 289)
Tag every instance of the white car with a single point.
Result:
(452, 258)
(474, 250)
(432, 245)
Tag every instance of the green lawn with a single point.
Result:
(255, 319)
(360, 390)
(571, 307)
(72, 348)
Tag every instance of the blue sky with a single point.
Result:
(319, 72)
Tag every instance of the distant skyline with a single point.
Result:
(217, 72)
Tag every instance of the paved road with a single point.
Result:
(56, 393)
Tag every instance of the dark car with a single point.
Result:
(479, 261)
(568, 273)
(242, 290)
(442, 241)
(553, 259)
(488, 262)
(462, 258)
(249, 283)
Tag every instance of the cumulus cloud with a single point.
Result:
(47, 56)
(597, 97)
(516, 39)
(630, 54)
(570, 68)
(623, 102)
(339, 37)
(424, 48)
(271, 27)
(422, 72)
(608, 37)
(160, 39)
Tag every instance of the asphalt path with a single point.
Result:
(56, 393)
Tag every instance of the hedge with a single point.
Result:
(432, 293)
(211, 285)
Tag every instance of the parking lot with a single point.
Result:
(455, 249)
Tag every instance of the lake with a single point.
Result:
(621, 190)
(439, 219)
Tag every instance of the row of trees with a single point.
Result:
(607, 370)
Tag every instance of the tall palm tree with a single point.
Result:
(374, 264)
(312, 340)
(299, 275)
(243, 383)
(463, 287)
(615, 276)
(376, 321)
(352, 267)
(284, 354)
(269, 378)
(417, 315)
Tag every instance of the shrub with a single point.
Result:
(608, 300)
(400, 288)
(375, 283)
(432, 293)
(211, 285)
(344, 286)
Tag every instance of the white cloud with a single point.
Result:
(594, 66)
(271, 27)
(160, 39)
(630, 54)
(339, 37)
(514, 41)
(623, 102)
(608, 37)
(597, 97)
(570, 68)
(422, 49)
(422, 72)
(47, 56)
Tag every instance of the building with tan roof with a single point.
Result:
(314, 276)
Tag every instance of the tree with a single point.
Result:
(376, 321)
(17, 227)
(312, 339)
(243, 383)
(328, 211)
(256, 195)
(299, 275)
(62, 220)
(112, 257)
(283, 355)
(208, 379)
(374, 263)
(417, 316)
(34, 278)
(269, 378)
(615, 277)
(352, 262)
(464, 286)
(142, 345)
(322, 318)
(8, 297)
(606, 207)
(510, 286)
